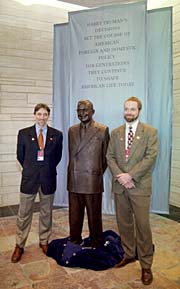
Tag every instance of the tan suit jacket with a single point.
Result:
(87, 158)
(141, 159)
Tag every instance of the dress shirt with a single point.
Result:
(44, 132)
(134, 127)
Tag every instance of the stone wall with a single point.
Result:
(175, 165)
(26, 56)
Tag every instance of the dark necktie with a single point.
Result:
(130, 137)
(83, 131)
(41, 140)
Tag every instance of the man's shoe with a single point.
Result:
(17, 254)
(124, 262)
(147, 276)
(44, 247)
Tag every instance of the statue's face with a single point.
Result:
(84, 112)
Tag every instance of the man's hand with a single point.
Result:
(125, 180)
(130, 185)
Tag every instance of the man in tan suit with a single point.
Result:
(88, 143)
(131, 155)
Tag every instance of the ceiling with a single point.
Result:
(96, 3)
(151, 4)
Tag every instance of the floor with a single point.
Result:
(35, 270)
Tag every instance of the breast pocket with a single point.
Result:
(95, 146)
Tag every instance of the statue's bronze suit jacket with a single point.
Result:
(87, 158)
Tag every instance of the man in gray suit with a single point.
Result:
(88, 143)
(131, 155)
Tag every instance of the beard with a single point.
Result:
(130, 118)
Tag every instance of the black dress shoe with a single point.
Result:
(44, 247)
(17, 254)
(147, 276)
(124, 262)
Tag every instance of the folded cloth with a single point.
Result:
(104, 257)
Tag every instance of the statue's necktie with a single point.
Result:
(83, 131)
(41, 140)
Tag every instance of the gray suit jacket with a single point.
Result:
(87, 158)
(140, 162)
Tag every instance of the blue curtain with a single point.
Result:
(61, 105)
(159, 112)
(157, 104)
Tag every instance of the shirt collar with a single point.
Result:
(133, 124)
(38, 127)
(86, 125)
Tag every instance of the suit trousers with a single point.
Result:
(25, 214)
(132, 213)
(93, 204)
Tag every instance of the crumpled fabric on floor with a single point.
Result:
(104, 257)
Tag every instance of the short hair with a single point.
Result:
(86, 101)
(134, 98)
(42, 105)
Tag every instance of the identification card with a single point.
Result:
(40, 155)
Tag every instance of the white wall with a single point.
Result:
(26, 55)
(175, 166)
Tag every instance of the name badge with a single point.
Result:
(40, 155)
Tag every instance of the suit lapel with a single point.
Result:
(137, 138)
(49, 137)
(33, 136)
(122, 139)
(91, 131)
(76, 139)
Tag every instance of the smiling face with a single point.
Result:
(41, 117)
(131, 111)
(85, 112)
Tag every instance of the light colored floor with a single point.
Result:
(35, 270)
